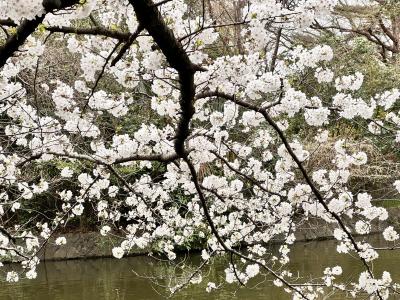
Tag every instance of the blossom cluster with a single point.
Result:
(110, 137)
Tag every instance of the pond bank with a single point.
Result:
(92, 245)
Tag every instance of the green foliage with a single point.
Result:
(388, 203)
(360, 55)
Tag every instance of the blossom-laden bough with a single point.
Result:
(150, 118)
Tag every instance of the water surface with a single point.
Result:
(112, 279)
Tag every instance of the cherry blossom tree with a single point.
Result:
(151, 118)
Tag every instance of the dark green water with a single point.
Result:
(98, 279)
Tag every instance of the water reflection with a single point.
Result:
(98, 279)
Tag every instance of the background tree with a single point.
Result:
(377, 21)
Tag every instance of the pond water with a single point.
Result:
(112, 279)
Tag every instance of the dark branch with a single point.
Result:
(27, 27)
(12, 44)
(8, 22)
(115, 34)
(127, 45)
(300, 166)
(219, 238)
(150, 18)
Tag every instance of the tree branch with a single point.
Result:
(127, 45)
(303, 171)
(150, 18)
(219, 238)
(27, 27)
(115, 34)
